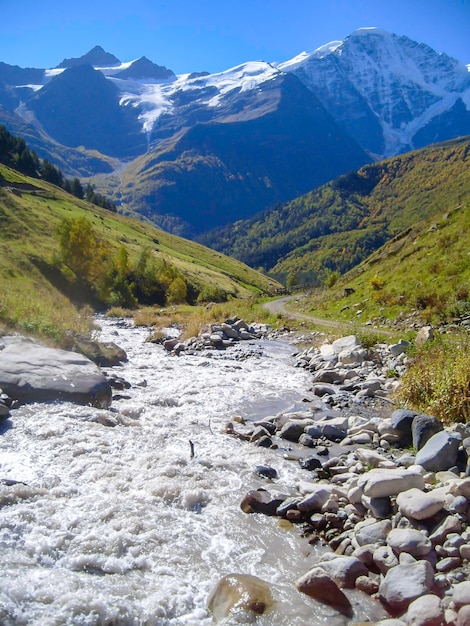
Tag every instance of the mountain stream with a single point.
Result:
(106, 518)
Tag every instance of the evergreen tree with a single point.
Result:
(77, 189)
(52, 174)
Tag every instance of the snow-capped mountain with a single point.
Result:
(197, 150)
(389, 92)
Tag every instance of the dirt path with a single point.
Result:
(278, 306)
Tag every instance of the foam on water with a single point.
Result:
(113, 522)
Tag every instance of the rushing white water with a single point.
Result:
(113, 522)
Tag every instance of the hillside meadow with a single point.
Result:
(47, 291)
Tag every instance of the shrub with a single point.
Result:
(212, 293)
(376, 282)
(331, 278)
(177, 291)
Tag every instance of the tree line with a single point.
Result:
(115, 279)
(15, 153)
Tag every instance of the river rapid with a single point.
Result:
(113, 521)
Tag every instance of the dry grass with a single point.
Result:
(41, 315)
(191, 319)
(438, 381)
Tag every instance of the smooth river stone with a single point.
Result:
(417, 504)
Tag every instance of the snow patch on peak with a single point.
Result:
(369, 30)
(161, 98)
(328, 48)
(246, 76)
(294, 62)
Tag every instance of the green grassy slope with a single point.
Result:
(36, 295)
(338, 225)
(421, 275)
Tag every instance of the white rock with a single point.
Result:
(337, 422)
(461, 594)
(374, 458)
(417, 504)
(463, 616)
(425, 611)
(355, 494)
(372, 532)
(384, 558)
(361, 438)
(379, 483)
(354, 355)
(409, 541)
(404, 583)
(328, 353)
(346, 343)
(463, 488)
(344, 570)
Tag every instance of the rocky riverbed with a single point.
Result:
(235, 482)
(387, 490)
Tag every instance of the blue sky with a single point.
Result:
(213, 35)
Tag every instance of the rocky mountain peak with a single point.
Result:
(143, 68)
(96, 57)
(394, 85)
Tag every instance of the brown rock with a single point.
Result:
(239, 592)
(317, 584)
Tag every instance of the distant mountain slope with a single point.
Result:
(336, 226)
(386, 90)
(420, 276)
(31, 209)
(280, 143)
(79, 107)
(60, 253)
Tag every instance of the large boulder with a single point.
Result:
(410, 541)
(33, 372)
(461, 595)
(401, 420)
(404, 583)
(369, 532)
(104, 354)
(439, 453)
(425, 611)
(380, 483)
(423, 428)
(419, 505)
(344, 570)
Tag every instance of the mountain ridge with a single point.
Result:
(413, 79)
